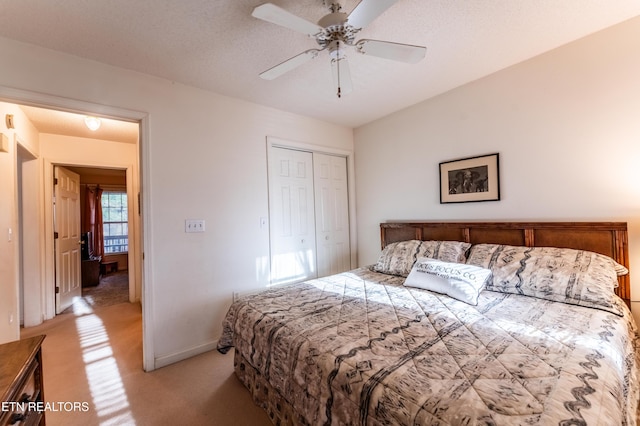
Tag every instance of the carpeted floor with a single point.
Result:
(112, 290)
(93, 358)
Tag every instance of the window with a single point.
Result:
(114, 218)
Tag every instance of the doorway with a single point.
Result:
(104, 215)
(69, 149)
(45, 291)
(115, 152)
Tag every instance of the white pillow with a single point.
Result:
(458, 280)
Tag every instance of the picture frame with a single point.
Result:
(470, 179)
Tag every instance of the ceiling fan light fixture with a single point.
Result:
(333, 33)
(92, 123)
(335, 52)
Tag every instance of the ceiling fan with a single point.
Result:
(335, 32)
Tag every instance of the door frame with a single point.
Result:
(133, 255)
(144, 274)
(30, 230)
(275, 142)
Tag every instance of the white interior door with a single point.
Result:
(332, 214)
(67, 243)
(291, 212)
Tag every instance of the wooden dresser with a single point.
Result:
(21, 382)
(90, 272)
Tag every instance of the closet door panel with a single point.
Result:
(292, 216)
(332, 214)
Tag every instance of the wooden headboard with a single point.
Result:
(608, 238)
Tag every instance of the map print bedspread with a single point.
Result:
(359, 348)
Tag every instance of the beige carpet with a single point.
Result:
(94, 358)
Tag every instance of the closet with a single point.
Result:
(309, 214)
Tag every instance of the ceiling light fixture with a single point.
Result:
(93, 123)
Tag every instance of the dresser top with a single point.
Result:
(15, 358)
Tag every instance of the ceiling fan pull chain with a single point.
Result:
(338, 69)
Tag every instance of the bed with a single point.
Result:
(540, 334)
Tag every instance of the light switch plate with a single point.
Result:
(194, 225)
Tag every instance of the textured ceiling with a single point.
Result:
(217, 45)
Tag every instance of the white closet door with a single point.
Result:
(332, 214)
(291, 212)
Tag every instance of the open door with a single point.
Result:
(67, 237)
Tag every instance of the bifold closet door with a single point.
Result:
(332, 214)
(292, 216)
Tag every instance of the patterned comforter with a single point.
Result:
(359, 348)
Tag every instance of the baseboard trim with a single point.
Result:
(163, 361)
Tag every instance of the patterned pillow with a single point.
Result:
(575, 277)
(620, 269)
(458, 280)
(398, 258)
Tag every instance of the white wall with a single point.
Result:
(206, 160)
(9, 322)
(566, 125)
(9, 313)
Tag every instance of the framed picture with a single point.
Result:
(470, 179)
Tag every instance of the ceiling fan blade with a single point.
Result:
(367, 11)
(289, 64)
(388, 50)
(276, 15)
(341, 76)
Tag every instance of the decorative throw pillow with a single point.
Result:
(458, 280)
(398, 258)
(576, 277)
